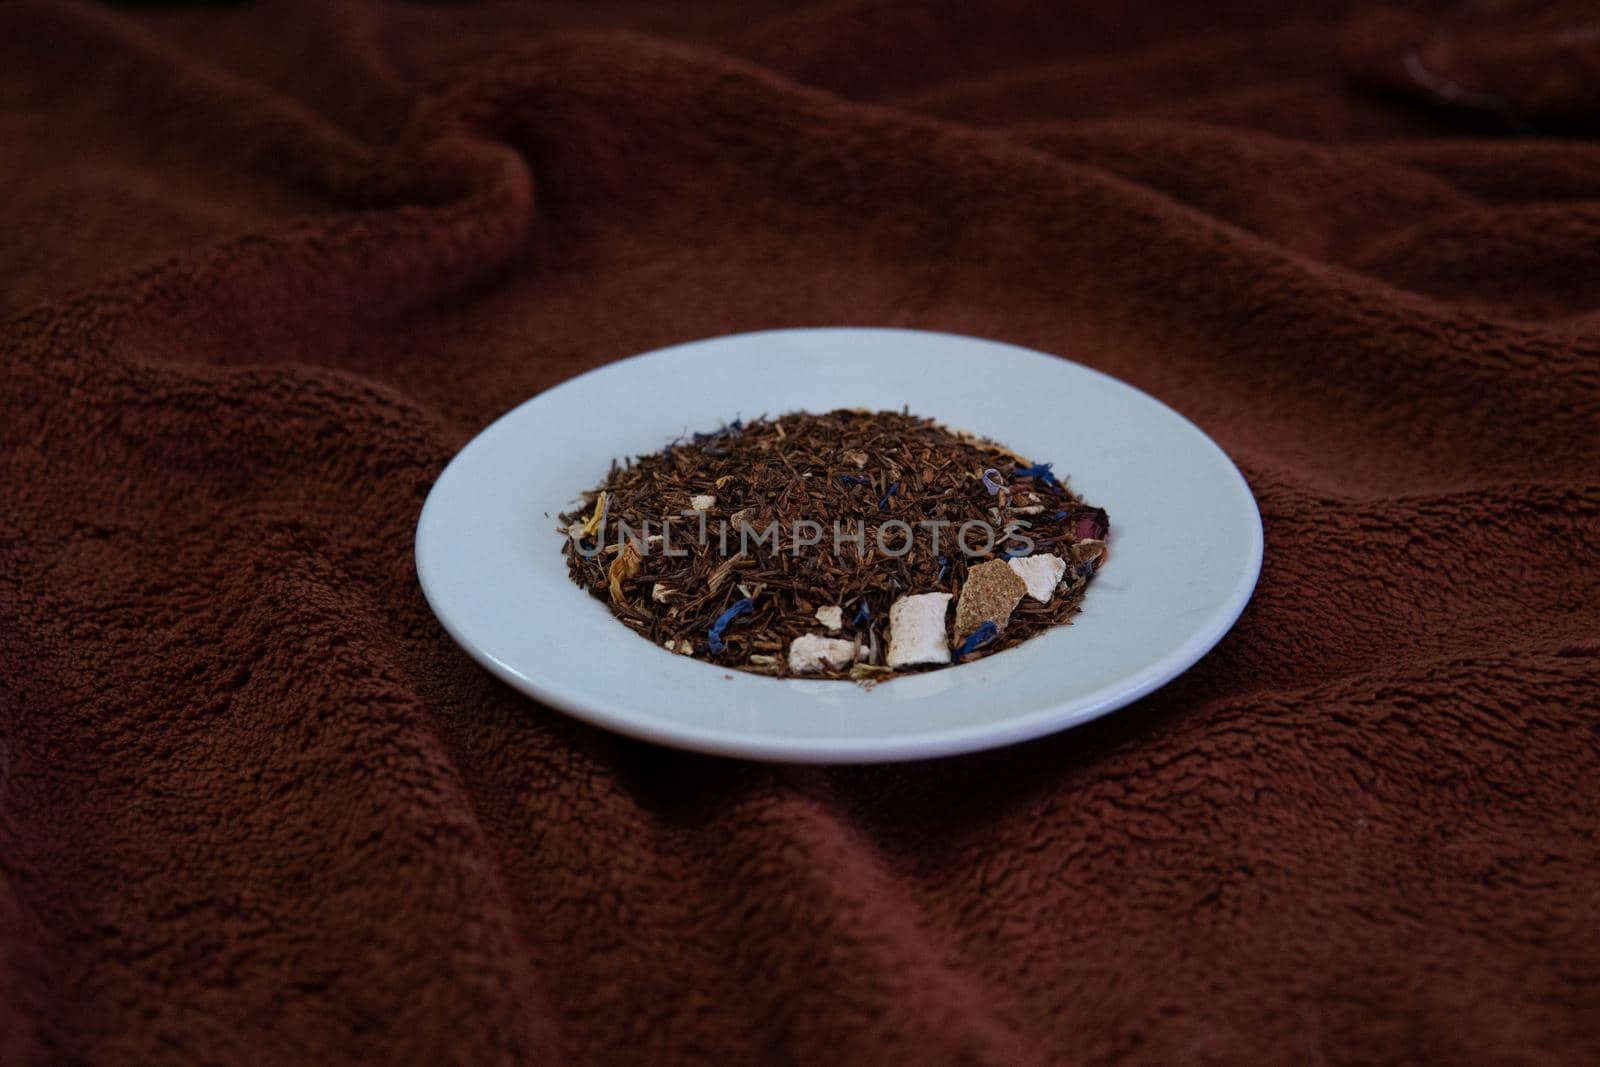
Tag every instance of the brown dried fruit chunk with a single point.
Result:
(992, 591)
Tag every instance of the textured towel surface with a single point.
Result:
(263, 270)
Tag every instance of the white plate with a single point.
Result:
(1185, 545)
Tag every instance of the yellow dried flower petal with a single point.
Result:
(625, 566)
(591, 526)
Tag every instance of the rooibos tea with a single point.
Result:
(835, 545)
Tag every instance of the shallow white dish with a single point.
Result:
(1185, 545)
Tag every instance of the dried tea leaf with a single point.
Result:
(720, 576)
(1090, 551)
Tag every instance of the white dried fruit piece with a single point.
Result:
(991, 593)
(809, 653)
(661, 591)
(1041, 574)
(916, 630)
(831, 616)
(682, 646)
(703, 502)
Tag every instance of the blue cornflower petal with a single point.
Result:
(981, 636)
(714, 635)
(1039, 472)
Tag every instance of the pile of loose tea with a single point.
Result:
(854, 544)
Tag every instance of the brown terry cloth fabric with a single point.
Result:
(266, 269)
